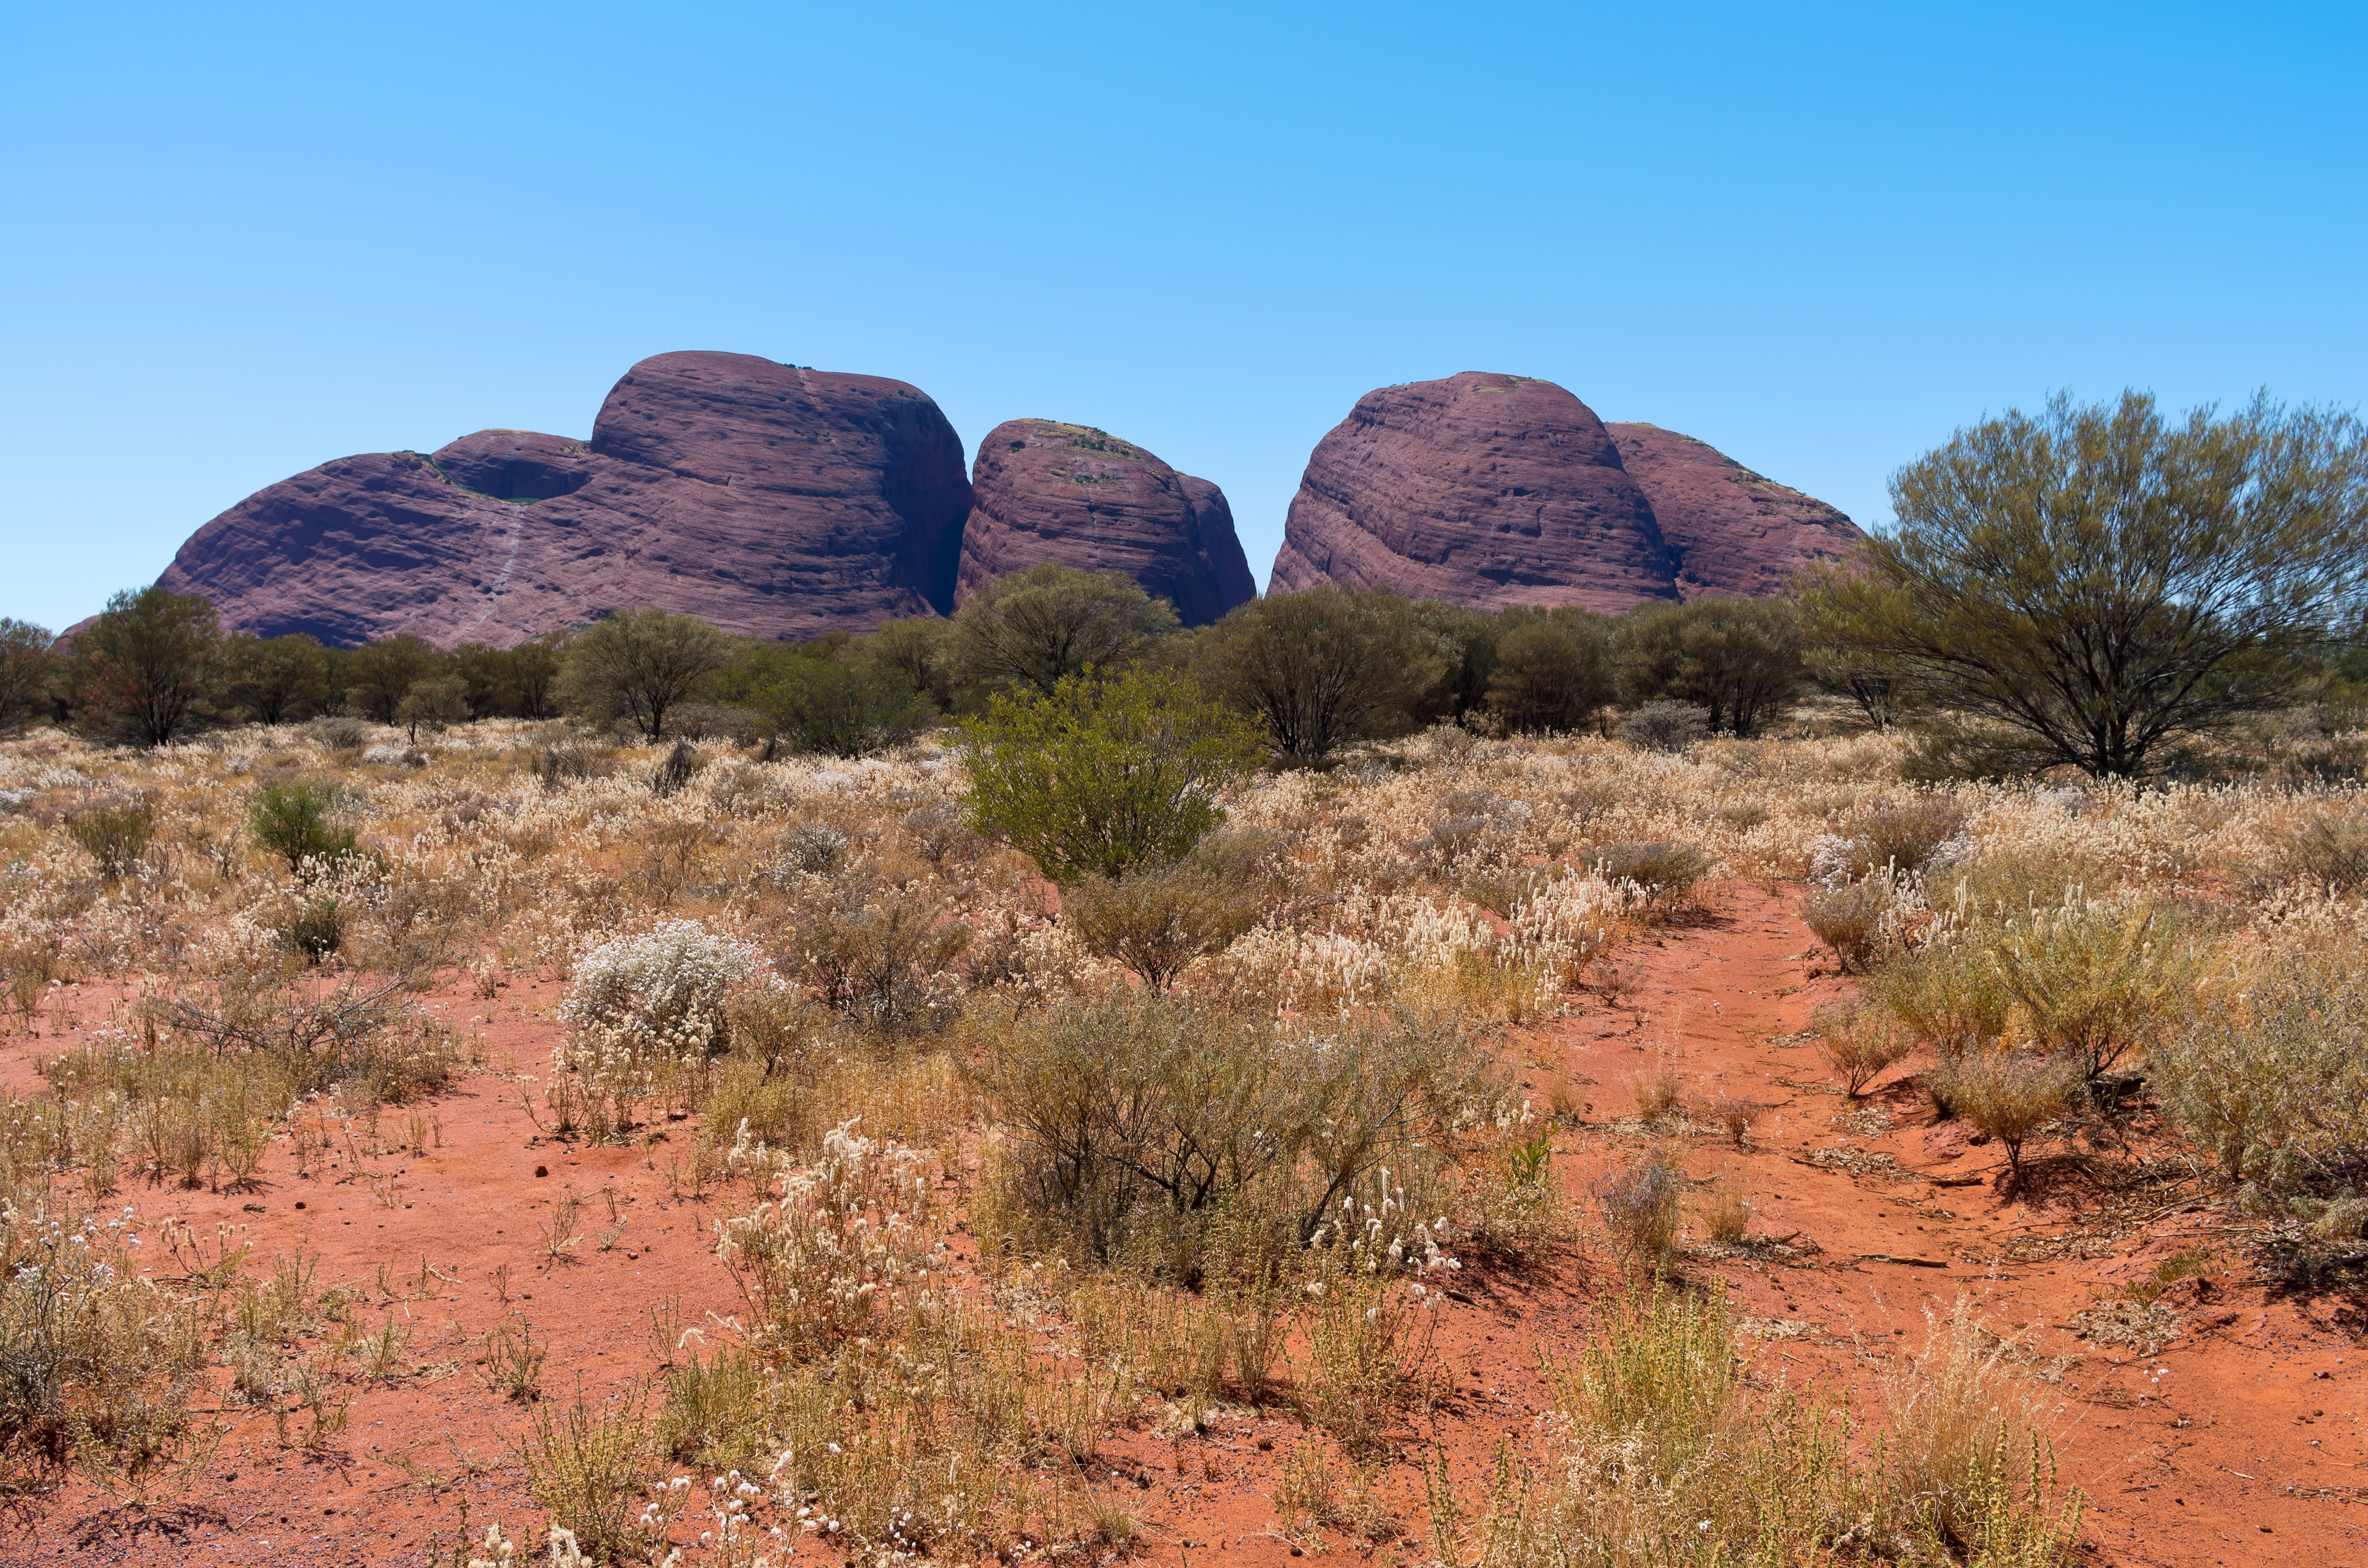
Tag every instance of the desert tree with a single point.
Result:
(27, 661)
(382, 672)
(144, 670)
(1738, 658)
(1552, 670)
(275, 679)
(1034, 629)
(640, 665)
(1323, 668)
(2094, 581)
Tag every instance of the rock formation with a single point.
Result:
(772, 500)
(1500, 490)
(1042, 491)
(1728, 529)
(1485, 490)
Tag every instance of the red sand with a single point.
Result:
(2247, 1447)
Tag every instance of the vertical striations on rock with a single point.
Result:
(1044, 491)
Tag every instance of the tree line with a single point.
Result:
(2093, 585)
(1317, 670)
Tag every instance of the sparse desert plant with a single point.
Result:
(2097, 979)
(1947, 992)
(1726, 1214)
(1320, 1490)
(587, 1465)
(1863, 1044)
(1849, 919)
(2009, 1095)
(885, 965)
(2275, 1083)
(1967, 1466)
(1665, 726)
(114, 833)
(674, 774)
(2331, 848)
(1639, 1201)
(1155, 920)
(1660, 1090)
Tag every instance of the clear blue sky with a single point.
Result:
(242, 241)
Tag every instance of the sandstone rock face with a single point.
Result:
(1485, 490)
(1729, 530)
(1082, 497)
(772, 500)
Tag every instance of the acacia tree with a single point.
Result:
(143, 667)
(1552, 671)
(1738, 658)
(1322, 667)
(1034, 629)
(2095, 581)
(641, 665)
(25, 664)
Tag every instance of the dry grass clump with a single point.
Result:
(2009, 1095)
(1138, 1116)
(1849, 920)
(1640, 1205)
(102, 1364)
(1863, 1044)
(1661, 1453)
(2273, 1076)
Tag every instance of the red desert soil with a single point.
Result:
(2241, 1443)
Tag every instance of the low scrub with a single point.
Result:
(1141, 1116)
(1661, 1452)
(2275, 1082)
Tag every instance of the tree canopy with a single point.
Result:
(2094, 581)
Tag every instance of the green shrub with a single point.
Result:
(1030, 632)
(844, 709)
(1552, 671)
(2276, 1084)
(1323, 669)
(292, 822)
(1106, 773)
(1738, 658)
(639, 664)
(2097, 978)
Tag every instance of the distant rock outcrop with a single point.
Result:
(772, 500)
(1484, 490)
(1070, 493)
(1729, 530)
(1494, 490)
